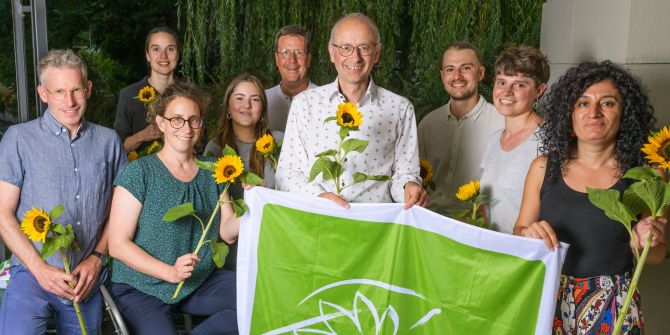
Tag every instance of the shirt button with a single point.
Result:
(75, 169)
(72, 144)
(78, 223)
(76, 196)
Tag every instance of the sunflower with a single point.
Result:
(153, 147)
(35, 224)
(468, 191)
(147, 94)
(228, 168)
(133, 155)
(657, 148)
(426, 171)
(348, 115)
(265, 144)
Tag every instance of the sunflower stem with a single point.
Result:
(633, 286)
(202, 241)
(66, 265)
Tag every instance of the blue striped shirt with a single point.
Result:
(50, 169)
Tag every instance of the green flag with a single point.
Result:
(308, 266)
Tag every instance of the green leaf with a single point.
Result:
(458, 214)
(479, 222)
(56, 212)
(48, 248)
(219, 253)
(608, 201)
(58, 229)
(206, 165)
(228, 151)
(250, 178)
(329, 152)
(328, 119)
(360, 176)
(319, 166)
(642, 173)
(334, 169)
(239, 206)
(344, 132)
(652, 192)
(633, 202)
(354, 144)
(175, 213)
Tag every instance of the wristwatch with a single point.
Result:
(101, 256)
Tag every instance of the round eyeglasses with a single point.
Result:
(286, 53)
(178, 122)
(346, 50)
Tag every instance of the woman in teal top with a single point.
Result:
(152, 256)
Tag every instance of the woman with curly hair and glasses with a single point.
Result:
(597, 118)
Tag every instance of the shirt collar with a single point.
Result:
(371, 94)
(310, 85)
(474, 113)
(56, 128)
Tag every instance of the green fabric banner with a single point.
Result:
(328, 274)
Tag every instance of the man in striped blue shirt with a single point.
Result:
(59, 158)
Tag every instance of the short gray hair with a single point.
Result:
(61, 58)
(360, 17)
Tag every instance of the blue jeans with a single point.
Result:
(27, 306)
(215, 298)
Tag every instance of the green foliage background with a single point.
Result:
(224, 38)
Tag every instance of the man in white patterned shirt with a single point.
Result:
(388, 124)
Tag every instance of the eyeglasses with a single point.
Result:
(347, 50)
(60, 94)
(178, 122)
(285, 53)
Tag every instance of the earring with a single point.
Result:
(228, 116)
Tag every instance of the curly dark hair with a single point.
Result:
(637, 120)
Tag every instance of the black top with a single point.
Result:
(131, 113)
(598, 245)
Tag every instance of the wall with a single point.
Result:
(636, 34)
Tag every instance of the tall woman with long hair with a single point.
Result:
(161, 50)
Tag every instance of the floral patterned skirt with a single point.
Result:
(589, 306)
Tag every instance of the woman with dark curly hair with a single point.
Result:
(596, 120)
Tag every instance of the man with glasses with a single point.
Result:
(292, 58)
(57, 159)
(388, 124)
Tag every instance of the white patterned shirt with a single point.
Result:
(388, 124)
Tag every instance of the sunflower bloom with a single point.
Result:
(657, 148)
(228, 168)
(153, 147)
(147, 94)
(468, 191)
(265, 144)
(348, 115)
(426, 170)
(133, 155)
(35, 224)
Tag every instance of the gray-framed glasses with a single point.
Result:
(298, 53)
(347, 50)
(178, 122)
(61, 94)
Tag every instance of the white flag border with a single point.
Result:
(527, 248)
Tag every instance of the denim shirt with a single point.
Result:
(50, 169)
